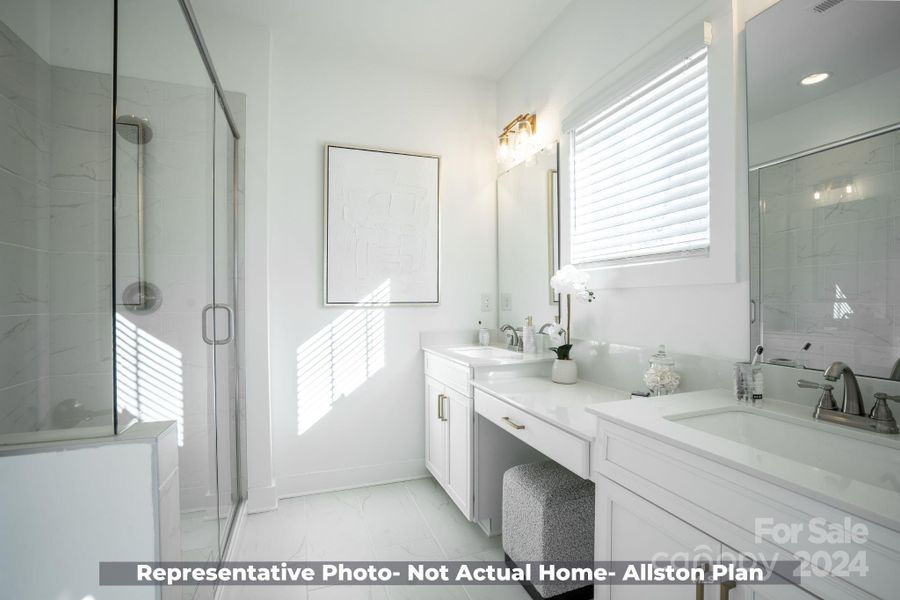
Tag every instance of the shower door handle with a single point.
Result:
(230, 337)
(204, 317)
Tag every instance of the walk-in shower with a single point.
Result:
(121, 241)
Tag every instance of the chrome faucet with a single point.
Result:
(895, 372)
(852, 403)
(852, 411)
(512, 336)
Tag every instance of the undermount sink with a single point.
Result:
(814, 445)
(486, 352)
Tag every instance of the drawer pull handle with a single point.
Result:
(515, 426)
(440, 407)
(700, 584)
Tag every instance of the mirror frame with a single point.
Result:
(553, 230)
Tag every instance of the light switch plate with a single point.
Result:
(487, 303)
(506, 301)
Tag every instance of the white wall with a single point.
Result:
(373, 430)
(243, 67)
(592, 43)
(358, 378)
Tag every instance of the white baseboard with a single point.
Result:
(262, 499)
(197, 498)
(304, 484)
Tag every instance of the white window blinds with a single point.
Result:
(640, 171)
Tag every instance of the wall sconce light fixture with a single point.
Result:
(517, 139)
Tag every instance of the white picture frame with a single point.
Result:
(382, 227)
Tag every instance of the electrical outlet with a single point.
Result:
(487, 304)
(506, 302)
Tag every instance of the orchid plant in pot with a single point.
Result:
(568, 281)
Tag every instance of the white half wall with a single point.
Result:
(592, 43)
(64, 511)
(347, 384)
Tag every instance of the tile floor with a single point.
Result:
(414, 520)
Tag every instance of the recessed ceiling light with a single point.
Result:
(814, 78)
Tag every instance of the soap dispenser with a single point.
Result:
(528, 345)
(484, 336)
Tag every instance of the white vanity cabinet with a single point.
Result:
(630, 528)
(657, 493)
(448, 428)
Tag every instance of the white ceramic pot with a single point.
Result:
(564, 371)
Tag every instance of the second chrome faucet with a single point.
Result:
(852, 411)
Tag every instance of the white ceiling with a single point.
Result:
(854, 41)
(474, 38)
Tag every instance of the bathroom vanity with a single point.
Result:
(489, 409)
(449, 409)
(698, 473)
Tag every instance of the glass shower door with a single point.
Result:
(225, 290)
(175, 265)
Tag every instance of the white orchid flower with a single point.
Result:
(569, 280)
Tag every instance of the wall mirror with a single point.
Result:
(823, 82)
(528, 239)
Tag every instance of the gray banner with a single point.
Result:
(443, 573)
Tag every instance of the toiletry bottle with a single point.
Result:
(528, 336)
(756, 375)
(484, 336)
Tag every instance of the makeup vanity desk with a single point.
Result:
(487, 411)
(523, 419)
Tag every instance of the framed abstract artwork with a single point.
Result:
(382, 227)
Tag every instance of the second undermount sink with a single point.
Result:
(847, 456)
(486, 352)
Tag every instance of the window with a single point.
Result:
(640, 172)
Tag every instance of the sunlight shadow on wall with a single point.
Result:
(340, 357)
(149, 376)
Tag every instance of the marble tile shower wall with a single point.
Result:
(830, 255)
(55, 242)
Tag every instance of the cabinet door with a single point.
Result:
(750, 591)
(458, 415)
(747, 591)
(628, 528)
(435, 432)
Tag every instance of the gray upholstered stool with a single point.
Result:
(548, 515)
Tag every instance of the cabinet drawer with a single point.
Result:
(570, 451)
(449, 373)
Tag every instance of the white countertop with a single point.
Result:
(514, 358)
(558, 404)
(874, 502)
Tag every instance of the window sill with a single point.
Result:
(710, 269)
